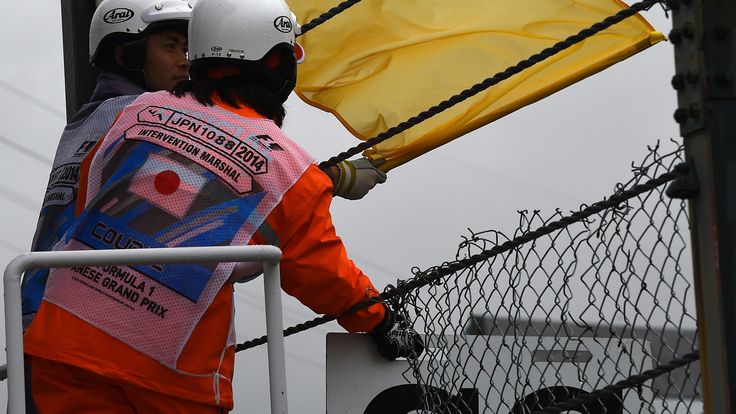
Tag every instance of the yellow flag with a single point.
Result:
(383, 61)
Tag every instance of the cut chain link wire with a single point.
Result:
(435, 274)
(586, 306)
(625, 263)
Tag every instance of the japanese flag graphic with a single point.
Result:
(167, 184)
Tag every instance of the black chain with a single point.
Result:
(327, 15)
(435, 274)
(613, 389)
(287, 332)
(495, 79)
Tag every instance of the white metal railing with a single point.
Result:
(268, 255)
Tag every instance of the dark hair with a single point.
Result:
(255, 87)
(236, 91)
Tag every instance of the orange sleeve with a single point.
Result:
(84, 179)
(315, 267)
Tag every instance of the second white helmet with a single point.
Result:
(239, 29)
(128, 20)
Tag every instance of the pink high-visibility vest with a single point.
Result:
(171, 173)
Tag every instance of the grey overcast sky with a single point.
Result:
(568, 149)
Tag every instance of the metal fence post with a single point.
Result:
(704, 38)
(269, 255)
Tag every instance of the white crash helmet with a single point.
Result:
(244, 30)
(131, 18)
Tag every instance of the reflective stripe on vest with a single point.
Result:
(57, 212)
(171, 172)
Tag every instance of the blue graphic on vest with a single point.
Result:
(100, 231)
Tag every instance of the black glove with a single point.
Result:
(394, 338)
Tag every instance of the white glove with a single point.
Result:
(357, 177)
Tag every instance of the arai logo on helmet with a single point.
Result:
(282, 24)
(118, 15)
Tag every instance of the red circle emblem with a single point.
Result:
(299, 52)
(166, 182)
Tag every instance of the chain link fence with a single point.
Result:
(589, 305)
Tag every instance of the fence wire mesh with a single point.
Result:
(587, 306)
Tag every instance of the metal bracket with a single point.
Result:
(690, 75)
(685, 187)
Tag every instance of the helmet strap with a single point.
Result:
(132, 60)
(281, 63)
(286, 89)
(134, 55)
